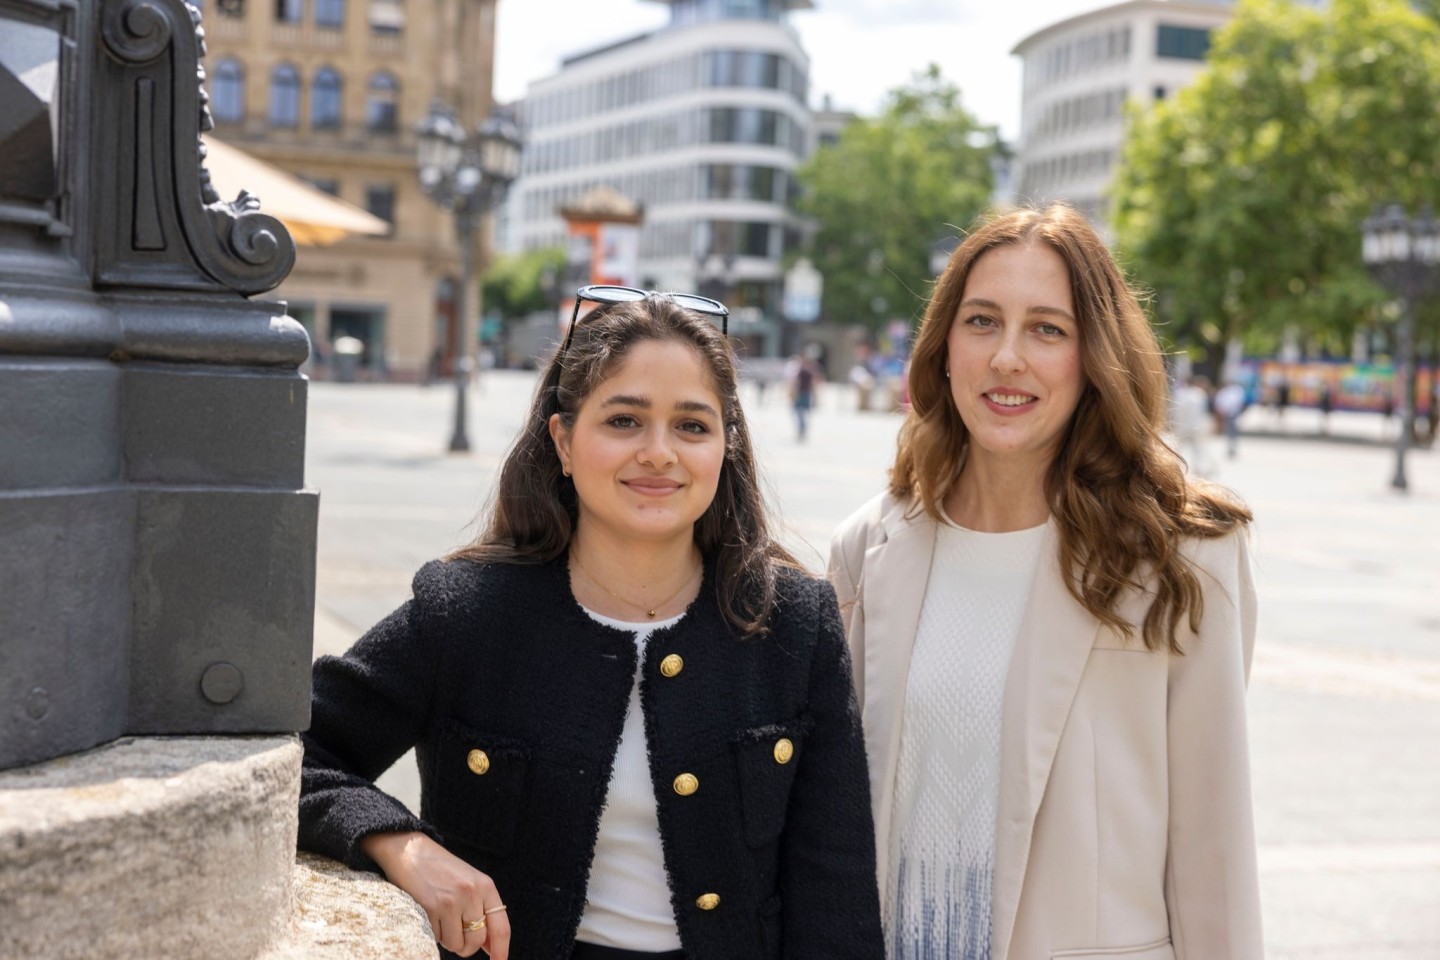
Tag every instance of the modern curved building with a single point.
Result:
(702, 122)
(1078, 75)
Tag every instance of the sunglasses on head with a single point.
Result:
(607, 294)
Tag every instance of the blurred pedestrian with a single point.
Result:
(802, 374)
(633, 712)
(1282, 400)
(1191, 422)
(1229, 403)
(1326, 403)
(1432, 411)
(862, 376)
(1051, 775)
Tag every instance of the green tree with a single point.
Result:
(1239, 200)
(888, 189)
(516, 284)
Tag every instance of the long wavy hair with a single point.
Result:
(1119, 495)
(534, 510)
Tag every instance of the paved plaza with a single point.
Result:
(1345, 693)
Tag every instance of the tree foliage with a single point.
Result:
(1240, 199)
(888, 189)
(516, 284)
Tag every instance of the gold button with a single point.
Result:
(708, 901)
(672, 665)
(784, 750)
(686, 784)
(478, 762)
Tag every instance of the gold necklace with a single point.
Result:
(649, 611)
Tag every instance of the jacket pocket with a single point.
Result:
(766, 759)
(1155, 950)
(481, 782)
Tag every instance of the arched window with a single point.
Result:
(382, 104)
(227, 92)
(285, 96)
(325, 100)
(330, 13)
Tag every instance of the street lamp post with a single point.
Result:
(467, 175)
(1403, 254)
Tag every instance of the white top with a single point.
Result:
(627, 903)
(1230, 400)
(942, 829)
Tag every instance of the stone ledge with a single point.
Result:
(344, 914)
(150, 847)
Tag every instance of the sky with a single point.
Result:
(859, 49)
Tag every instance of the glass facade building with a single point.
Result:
(1080, 73)
(702, 123)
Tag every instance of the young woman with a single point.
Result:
(633, 714)
(1052, 630)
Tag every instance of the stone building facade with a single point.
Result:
(332, 91)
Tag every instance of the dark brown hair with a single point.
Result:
(1119, 495)
(534, 510)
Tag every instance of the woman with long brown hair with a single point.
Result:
(1051, 627)
(633, 713)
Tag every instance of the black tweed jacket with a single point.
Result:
(514, 700)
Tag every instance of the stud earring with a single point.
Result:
(947, 374)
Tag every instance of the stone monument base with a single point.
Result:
(183, 847)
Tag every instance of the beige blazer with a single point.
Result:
(1124, 826)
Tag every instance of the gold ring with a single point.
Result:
(475, 926)
(495, 909)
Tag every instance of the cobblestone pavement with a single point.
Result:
(1345, 692)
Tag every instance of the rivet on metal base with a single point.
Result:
(222, 682)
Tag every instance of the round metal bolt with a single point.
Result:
(37, 703)
(222, 682)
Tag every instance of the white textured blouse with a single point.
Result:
(942, 831)
(627, 901)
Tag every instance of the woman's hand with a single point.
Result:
(451, 892)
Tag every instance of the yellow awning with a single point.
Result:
(313, 217)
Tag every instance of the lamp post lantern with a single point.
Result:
(467, 174)
(1403, 255)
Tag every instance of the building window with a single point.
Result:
(387, 17)
(755, 240)
(725, 181)
(324, 184)
(382, 104)
(1159, 93)
(744, 125)
(731, 238)
(684, 12)
(285, 96)
(289, 11)
(330, 13)
(748, 68)
(325, 100)
(1182, 43)
(380, 201)
(227, 100)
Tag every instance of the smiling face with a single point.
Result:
(1013, 353)
(646, 446)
